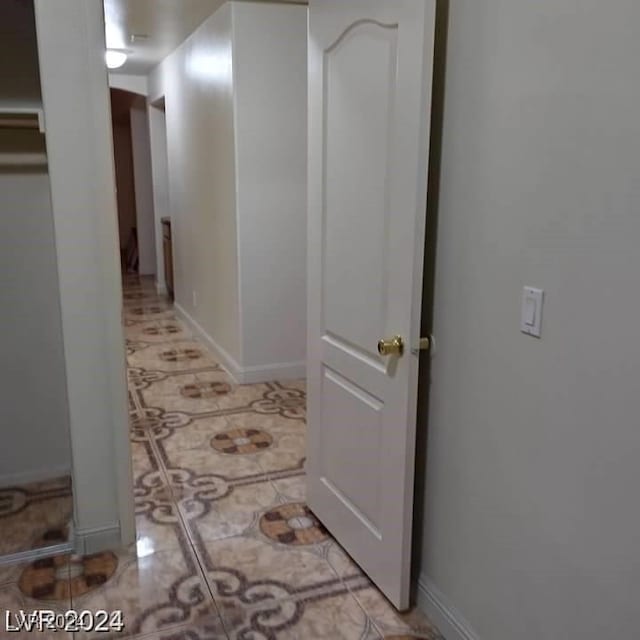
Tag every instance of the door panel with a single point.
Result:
(351, 475)
(358, 114)
(370, 65)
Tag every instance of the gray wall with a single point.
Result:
(34, 427)
(34, 424)
(531, 526)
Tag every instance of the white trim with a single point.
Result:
(229, 364)
(36, 554)
(449, 621)
(89, 541)
(30, 111)
(129, 82)
(161, 288)
(243, 375)
(277, 371)
(27, 477)
(236, 177)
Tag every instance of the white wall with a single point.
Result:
(196, 81)
(270, 80)
(34, 428)
(76, 104)
(160, 183)
(531, 528)
(143, 185)
(235, 99)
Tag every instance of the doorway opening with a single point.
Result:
(36, 499)
(132, 159)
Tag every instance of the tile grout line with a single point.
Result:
(196, 551)
(181, 520)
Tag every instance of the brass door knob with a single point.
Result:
(391, 346)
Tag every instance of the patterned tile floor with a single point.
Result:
(35, 515)
(226, 548)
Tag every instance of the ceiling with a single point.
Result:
(166, 23)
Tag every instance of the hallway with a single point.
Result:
(226, 546)
(415, 223)
(219, 478)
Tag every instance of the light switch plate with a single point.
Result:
(531, 314)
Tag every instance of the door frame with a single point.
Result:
(157, 113)
(76, 102)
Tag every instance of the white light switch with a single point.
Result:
(531, 320)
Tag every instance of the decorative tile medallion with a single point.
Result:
(90, 572)
(293, 524)
(241, 441)
(180, 355)
(48, 578)
(150, 310)
(166, 330)
(205, 389)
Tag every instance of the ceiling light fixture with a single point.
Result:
(114, 58)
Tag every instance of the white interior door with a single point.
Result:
(370, 73)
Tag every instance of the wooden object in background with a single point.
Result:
(168, 255)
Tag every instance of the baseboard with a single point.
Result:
(36, 554)
(229, 364)
(243, 375)
(89, 541)
(280, 371)
(442, 613)
(27, 477)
